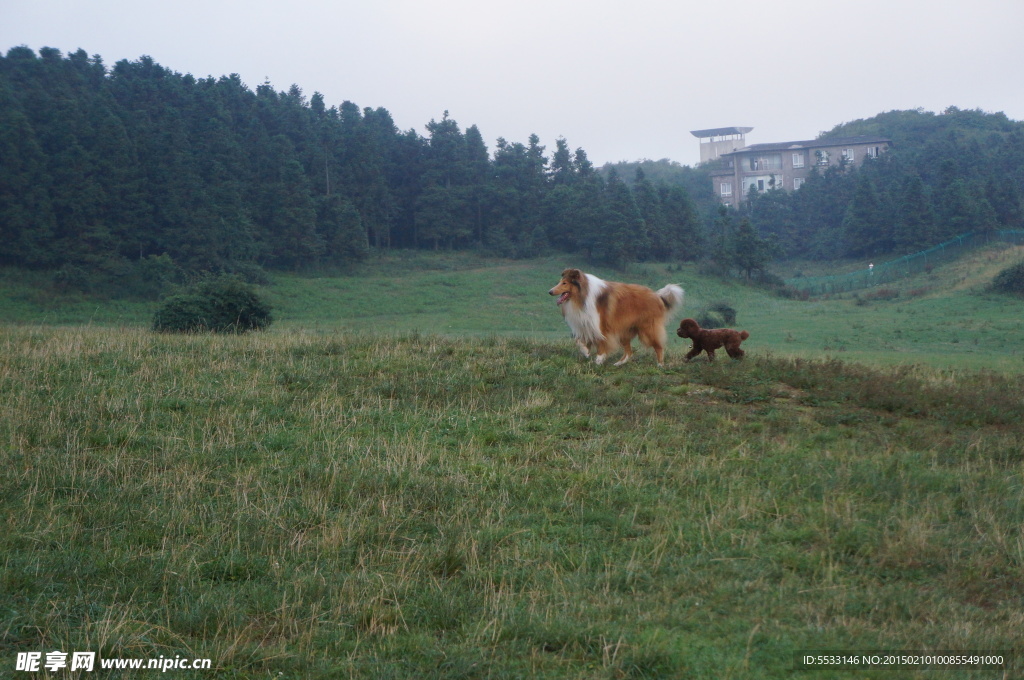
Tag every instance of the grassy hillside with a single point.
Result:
(942, 319)
(414, 475)
(294, 504)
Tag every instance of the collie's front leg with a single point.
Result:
(584, 348)
(604, 348)
(627, 353)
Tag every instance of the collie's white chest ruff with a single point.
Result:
(582, 316)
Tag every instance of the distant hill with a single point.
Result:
(916, 128)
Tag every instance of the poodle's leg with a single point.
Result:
(734, 351)
(711, 355)
(694, 351)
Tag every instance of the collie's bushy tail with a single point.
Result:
(672, 295)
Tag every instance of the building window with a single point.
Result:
(874, 152)
(727, 188)
(848, 155)
(798, 160)
(822, 157)
(797, 182)
(769, 162)
(762, 183)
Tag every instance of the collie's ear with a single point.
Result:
(572, 275)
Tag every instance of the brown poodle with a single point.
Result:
(710, 339)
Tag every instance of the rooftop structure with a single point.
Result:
(718, 141)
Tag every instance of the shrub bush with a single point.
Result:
(716, 315)
(221, 305)
(1010, 280)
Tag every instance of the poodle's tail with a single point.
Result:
(672, 296)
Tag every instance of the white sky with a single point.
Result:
(625, 80)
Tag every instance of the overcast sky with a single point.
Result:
(624, 79)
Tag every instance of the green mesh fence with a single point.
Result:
(908, 265)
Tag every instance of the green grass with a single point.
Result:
(943, 319)
(335, 505)
(413, 475)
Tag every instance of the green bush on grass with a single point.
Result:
(220, 305)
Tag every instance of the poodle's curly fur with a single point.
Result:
(710, 339)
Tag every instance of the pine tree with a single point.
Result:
(340, 229)
(957, 211)
(289, 215)
(378, 175)
(478, 175)
(682, 237)
(520, 181)
(444, 212)
(722, 239)
(27, 222)
(915, 219)
(620, 235)
(1005, 199)
(562, 171)
(588, 205)
(655, 242)
(864, 226)
(750, 252)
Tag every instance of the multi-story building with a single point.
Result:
(787, 165)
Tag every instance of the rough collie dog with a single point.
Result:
(605, 315)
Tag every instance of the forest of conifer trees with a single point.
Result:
(139, 168)
(102, 166)
(947, 174)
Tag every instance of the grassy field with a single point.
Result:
(414, 476)
(943, 319)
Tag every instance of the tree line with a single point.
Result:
(103, 168)
(136, 168)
